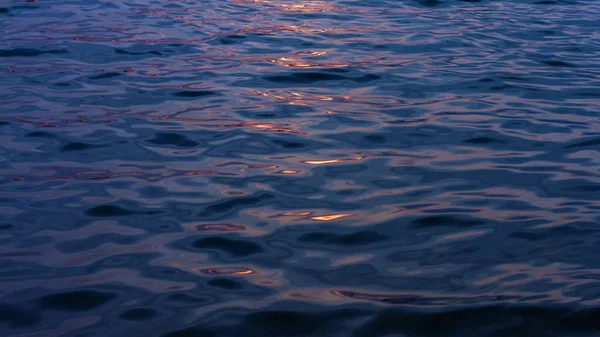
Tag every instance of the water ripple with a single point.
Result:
(299, 168)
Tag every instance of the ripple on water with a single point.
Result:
(299, 168)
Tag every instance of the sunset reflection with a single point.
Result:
(267, 127)
(228, 271)
(269, 168)
(331, 217)
(302, 7)
(306, 63)
(220, 227)
(292, 97)
(331, 161)
(289, 171)
(308, 7)
(297, 213)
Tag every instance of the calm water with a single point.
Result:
(299, 168)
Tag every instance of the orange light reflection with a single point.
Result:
(289, 171)
(296, 213)
(331, 217)
(228, 271)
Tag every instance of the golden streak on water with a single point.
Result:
(331, 217)
(263, 126)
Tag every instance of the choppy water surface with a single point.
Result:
(299, 168)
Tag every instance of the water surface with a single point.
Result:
(299, 168)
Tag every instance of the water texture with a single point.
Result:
(299, 168)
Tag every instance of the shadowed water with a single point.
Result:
(299, 168)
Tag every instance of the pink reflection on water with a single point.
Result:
(219, 227)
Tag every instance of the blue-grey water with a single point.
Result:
(275, 168)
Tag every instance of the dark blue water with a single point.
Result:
(299, 168)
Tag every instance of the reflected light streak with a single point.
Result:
(331, 217)
(308, 7)
(330, 161)
(267, 127)
(258, 166)
(220, 227)
(303, 7)
(296, 63)
(228, 271)
(296, 213)
(296, 98)
(193, 173)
